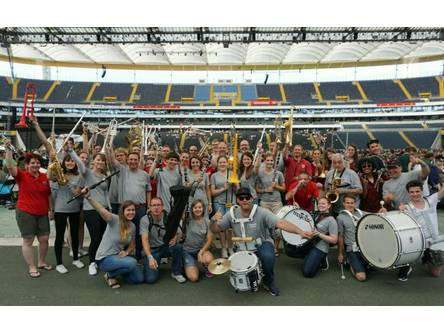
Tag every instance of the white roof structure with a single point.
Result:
(220, 48)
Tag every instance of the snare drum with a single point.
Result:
(245, 272)
(391, 240)
(437, 254)
(294, 245)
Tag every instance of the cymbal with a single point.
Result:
(219, 266)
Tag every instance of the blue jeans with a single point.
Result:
(265, 252)
(190, 258)
(312, 262)
(356, 262)
(140, 212)
(121, 266)
(164, 251)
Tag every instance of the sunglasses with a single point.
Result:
(244, 197)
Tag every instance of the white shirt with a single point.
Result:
(427, 217)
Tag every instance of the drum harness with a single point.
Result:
(428, 223)
(245, 246)
(355, 223)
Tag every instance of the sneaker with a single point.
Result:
(164, 260)
(78, 264)
(230, 251)
(274, 291)
(224, 253)
(92, 269)
(324, 264)
(179, 277)
(82, 252)
(404, 273)
(208, 274)
(61, 269)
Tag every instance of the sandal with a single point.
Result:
(111, 282)
(34, 274)
(46, 267)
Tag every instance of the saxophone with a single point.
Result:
(56, 170)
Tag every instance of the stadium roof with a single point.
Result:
(236, 48)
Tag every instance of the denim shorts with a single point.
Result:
(190, 259)
(356, 262)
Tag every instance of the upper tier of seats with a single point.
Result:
(326, 93)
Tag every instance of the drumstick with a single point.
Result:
(342, 271)
(382, 203)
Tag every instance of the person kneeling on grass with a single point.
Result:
(118, 241)
(197, 242)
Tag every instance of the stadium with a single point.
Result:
(338, 85)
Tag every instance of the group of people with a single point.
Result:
(127, 214)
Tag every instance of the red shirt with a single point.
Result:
(33, 196)
(304, 195)
(294, 168)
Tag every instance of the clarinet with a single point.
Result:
(276, 164)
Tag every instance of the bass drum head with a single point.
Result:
(300, 218)
(242, 261)
(377, 241)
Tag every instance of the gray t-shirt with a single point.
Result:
(99, 193)
(219, 181)
(200, 188)
(397, 187)
(61, 195)
(327, 226)
(157, 232)
(114, 189)
(347, 228)
(265, 181)
(250, 183)
(133, 185)
(196, 235)
(111, 243)
(165, 180)
(349, 180)
(263, 222)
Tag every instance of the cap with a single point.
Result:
(393, 164)
(243, 191)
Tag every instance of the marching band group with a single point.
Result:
(124, 197)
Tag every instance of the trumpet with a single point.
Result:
(289, 129)
(7, 143)
(111, 132)
(234, 179)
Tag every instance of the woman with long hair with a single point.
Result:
(223, 196)
(197, 243)
(351, 156)
(64, 212)
(249, 172)
(326, 234)
(270, 185)
(319, 171)
(118, 242)
(200, 183)
(372, 183)
(94, 222)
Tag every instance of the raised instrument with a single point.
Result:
(288, 125)
(28, 108)
(7, 143)
(234, 178)
(94, 185)
(256, 153)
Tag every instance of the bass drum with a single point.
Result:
(391, 240)
(294, 245)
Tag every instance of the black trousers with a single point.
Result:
(61, 220)
(96, 228)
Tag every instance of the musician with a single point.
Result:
(197, 243)
(33, 205)
(184, 167)
(350, 182)
(423, 209)
(296, 164)
(327, 234)
(152, 231)
(393, 190)
(164, 151)
(351, 156)
(259, 229)
(193, 150)
(166, 178)
(249, 173)
(121, 156)
(64, 211)
(270, 184)
(302, 192)
(372, 183)
(244, 146)
(318, 166)
(134, 185)
(222, 193)
(118, 242)
(94, 222)
(376, 154)
(200, 183)
(347, 221)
